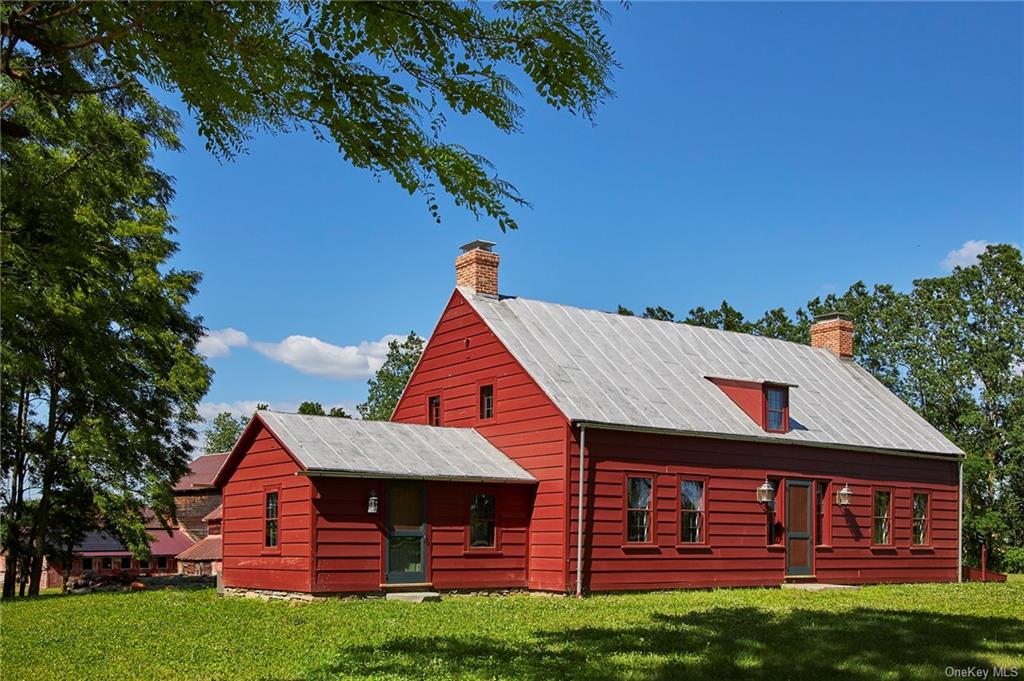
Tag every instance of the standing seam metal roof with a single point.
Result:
(612, 369)
(325, 444)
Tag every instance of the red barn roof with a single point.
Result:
(202, 472)
(215, 514)
(209, 548)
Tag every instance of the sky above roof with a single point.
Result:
(761, 154)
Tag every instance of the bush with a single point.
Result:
(1013, 560)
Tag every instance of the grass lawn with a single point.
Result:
(894, 632)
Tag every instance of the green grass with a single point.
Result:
(894, 632)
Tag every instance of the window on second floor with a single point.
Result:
(486, 401)
(434, 410)
(776, 409)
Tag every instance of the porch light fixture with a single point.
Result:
(371, 502)
(766, 493)
(844, 495)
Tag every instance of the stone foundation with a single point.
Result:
(299, 597)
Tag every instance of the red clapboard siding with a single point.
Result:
(349, 541)
(263, 462)
(452, 564)
(737, 554)
(463, 354)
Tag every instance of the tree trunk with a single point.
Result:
(11, 573)
(41, 524)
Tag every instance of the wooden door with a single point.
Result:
(799, 528)
(407, 537)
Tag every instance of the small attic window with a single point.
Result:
(776, 408)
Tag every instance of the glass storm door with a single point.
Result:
(799, 527)
(407, 537)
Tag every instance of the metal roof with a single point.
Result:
(605, 368)
(382, 449)
(162, 544)
(207, 548)
(202, 471)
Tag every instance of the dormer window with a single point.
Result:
(776, 408)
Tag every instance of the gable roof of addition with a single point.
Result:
(202, 472)
(621, 371)
(327, 445)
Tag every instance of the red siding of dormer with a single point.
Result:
(748, 396)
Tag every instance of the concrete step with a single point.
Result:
(414, 596)
(818, 586)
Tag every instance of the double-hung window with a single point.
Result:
(921, 511)
(881, 531)
(638, 509)
(776, 417)
(691, 512)
(482, 522)
(270, 514)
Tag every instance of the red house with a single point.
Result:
(709, 458)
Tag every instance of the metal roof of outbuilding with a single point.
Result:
(623, 371)
(381, 449)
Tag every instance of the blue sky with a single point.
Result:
(762, 154)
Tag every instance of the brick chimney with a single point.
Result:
(477, 267)
(833, 331)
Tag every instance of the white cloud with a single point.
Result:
(313, 356)
(966, 255)
(218, 343)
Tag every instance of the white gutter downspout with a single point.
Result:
(960, 525)
(579, 516)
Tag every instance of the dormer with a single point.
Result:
(765, 402)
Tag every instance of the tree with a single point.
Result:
(375, 78)
(317, 409)
(101, 377)
(223, 432)
(387, 385)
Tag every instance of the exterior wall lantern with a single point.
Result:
(844, 495)
(766, 494)
(371, 502)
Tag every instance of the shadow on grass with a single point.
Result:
(722, 643)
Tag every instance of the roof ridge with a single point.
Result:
(709, 329)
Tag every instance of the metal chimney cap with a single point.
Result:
(835, 314)
(479, 244)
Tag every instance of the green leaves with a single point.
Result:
(364, 75)
(387, 386)
(224, 431)
(97, 336)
